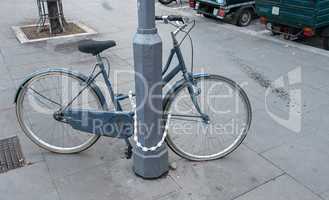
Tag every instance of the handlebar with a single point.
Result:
(170, 18)
(180, 27)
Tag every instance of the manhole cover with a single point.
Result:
(11, 156)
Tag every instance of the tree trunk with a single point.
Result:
(56, 24)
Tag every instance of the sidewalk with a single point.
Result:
(273, 163)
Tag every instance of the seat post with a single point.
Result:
(99, 59)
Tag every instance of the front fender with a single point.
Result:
(77, 74)
(178, 84)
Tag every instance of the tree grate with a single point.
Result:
(11, 156)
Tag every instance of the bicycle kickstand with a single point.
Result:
(129, 149)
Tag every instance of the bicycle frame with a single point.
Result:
(72, 116)
(180, 67)
(166, 77)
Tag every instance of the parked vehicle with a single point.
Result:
(296, 19)
(241, 11)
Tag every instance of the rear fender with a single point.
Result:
(77, 74)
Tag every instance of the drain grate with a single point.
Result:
(11, 156)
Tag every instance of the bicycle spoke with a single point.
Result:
(48, 99)
(49, 91)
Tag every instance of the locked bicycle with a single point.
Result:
(66, 112)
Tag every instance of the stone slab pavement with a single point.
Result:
(273, 163)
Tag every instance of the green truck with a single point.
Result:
(296, 18)
(240, 11)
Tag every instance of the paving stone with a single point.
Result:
(325, 195)
(226, 178)
(2, 57)
(105, 150)
(6, 82)
(25, 49)
(124, 53)
(282, 188)
(26, 59)
(312, 98)
(265, 133)
(317, 78)
(10, 127)
(304, 159)
(8, 122)
(31, 151)
(29, 182)
(113, 181)
(318, 119)
(7, 99)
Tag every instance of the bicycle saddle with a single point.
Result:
(95, 47)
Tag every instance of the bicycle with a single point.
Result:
(194, 103)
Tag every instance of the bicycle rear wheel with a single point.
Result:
(228, 120)
(42, 96)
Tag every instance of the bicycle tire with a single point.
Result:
(170, 97)
(32, 136)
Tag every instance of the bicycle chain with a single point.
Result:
(138, 144)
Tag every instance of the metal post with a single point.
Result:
(148, 66)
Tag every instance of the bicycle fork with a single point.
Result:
(194, 91)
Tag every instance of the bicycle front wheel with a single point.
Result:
(214, 130)
(43, 95)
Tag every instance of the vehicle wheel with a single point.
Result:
(43, 95)
(245, 17)
(208, 16)
(166, 2)
(201, 139)
(326, 43)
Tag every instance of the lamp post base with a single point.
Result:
(151, 166)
